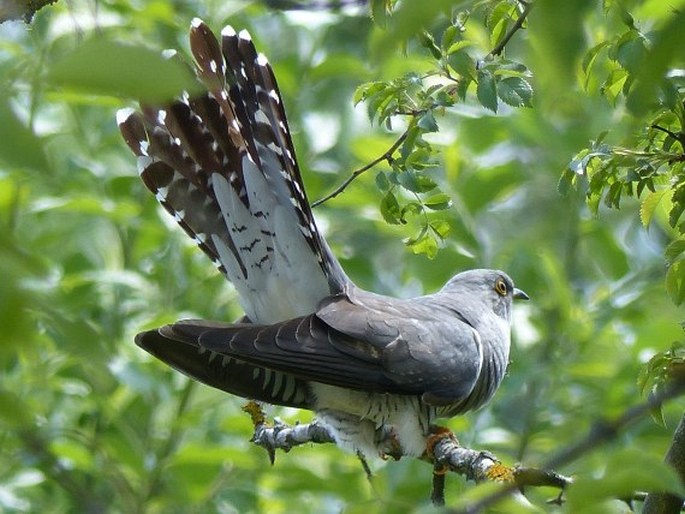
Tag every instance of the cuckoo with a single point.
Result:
(222, 163)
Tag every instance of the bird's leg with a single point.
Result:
(436, 434)
(365, 466)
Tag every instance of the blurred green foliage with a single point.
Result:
(89, 423)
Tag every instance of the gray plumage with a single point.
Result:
(223, 164)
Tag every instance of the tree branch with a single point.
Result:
(387, 156)
(447, 455)
(476, 465)
(664, 503)
(527, 7)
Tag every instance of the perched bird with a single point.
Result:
(372, 367)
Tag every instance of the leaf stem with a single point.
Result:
(527, 7)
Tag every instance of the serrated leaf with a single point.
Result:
(486, 90)
(591, 56)
(366, 90)
(515, 91)
(441, 228)
(427, 122)
(650, 204)
(419, 159)
(631, 52)
(390, 209)
(413, 208)
(566, 181)
(455, 47)
(449, 37)
(463, 64)
(427, 41)
(424, 243)
(675, 250)
(675, 282)
(498, 21)
(416, 182)
(104, 67)
(382, 181)
(438, 202)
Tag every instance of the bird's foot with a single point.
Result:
(392, 449)
(440, 469)
(435, 435)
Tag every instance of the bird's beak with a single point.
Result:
(520, 295)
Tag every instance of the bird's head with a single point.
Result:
(488, 287)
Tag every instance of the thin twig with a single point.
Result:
(513, 29)
(680, 137)
(385, 157)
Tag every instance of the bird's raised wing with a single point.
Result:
(223, 164)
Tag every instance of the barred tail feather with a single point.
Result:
(223, 164)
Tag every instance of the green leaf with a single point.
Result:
(424, 243)
(416, 182)
(650, 204)
(455, 47)
(103, 67)
(441, 228)
(390, 209)
(668, 44)
(449, 37)
(675, 250)
(566, 181)
(382, 181)
(427, 122)
(486, 90)
(463, 64)
(366, 90)
(438, 202)
(675, 282)
(515, 91)
(632, 52)
(498, 20)
(591, 55)
(427, 41)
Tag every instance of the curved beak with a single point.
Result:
(520, 295)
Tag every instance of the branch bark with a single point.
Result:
(479, 466)
(447, 455)
(664, 503)
(513, 29)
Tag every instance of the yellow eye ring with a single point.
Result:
(501, 287)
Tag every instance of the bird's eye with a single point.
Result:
(501, 287)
